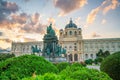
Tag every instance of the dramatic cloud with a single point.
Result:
(35, 18)
(67, 6)
(113, 4)
(104, 7)
(92, 15)
(5, 43)
(6, 8)
(19, 18)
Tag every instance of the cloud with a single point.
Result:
(94, 34)
(104, 7)
(67, 6)
(92, 15)
(34, 28)
(6, 8)
(51, 20)
(19, 18)
(5, 43)
(113, 4)
(103, 21)
(35, 18)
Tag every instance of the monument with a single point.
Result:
(51, 50)
(35, 50)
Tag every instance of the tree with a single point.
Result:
(25, 66)
(100, 53)
(6, 56)
(106, 53)
(111, 65)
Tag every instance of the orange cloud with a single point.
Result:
(67, 6)
(92, 15)
(51, 20)
(5, 43)
(104, 7)
(35, 18)
(113, 5)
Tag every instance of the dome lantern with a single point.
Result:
(71, 24)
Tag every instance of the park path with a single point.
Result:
(93, 67)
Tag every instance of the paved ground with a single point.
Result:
(93, 67)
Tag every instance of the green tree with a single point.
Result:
(111, 65)
(106, 53)
(89, 61)
(100, 53)
(25, 66)
(6, 56)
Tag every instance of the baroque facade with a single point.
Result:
(70, 38)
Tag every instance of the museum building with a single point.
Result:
(70, 38)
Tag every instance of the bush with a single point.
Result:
(24, 66)
(6, 56)
(82, 73)
(111, 65)
(77, 64)
(73, 73)
(89, 61)
(62, 65)
(98, 60)
(46, 76)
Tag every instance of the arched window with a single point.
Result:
(75, 57)
(79, 32)
(60, 33)
(91, 55)
(70, 32)
(75, 33)
(65, 33)
(86, 56)
(70, 57)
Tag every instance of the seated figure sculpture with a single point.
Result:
(50, 31)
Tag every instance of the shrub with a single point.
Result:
(6, 56)
(77, 64)
(82, 73)
(111, 65)
(73, 72)
(46, 76)
(24, 66)
(62, 65)
(89, 61)
(98, 60)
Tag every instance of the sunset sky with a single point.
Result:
(26, 20)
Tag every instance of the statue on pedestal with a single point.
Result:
(51, 48)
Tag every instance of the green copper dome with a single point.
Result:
(71, 24)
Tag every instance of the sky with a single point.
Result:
(27, 20)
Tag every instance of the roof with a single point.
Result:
(71, 25)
